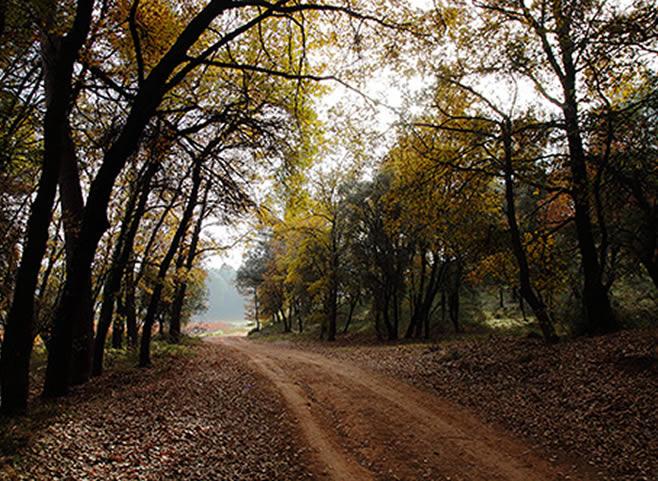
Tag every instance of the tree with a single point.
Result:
(250, 274)
(553, 43)
(60, 53)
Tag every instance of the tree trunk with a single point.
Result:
(124, 246)
(416, 300)
(333, 312)
(350, 313)
(151, 312)
(453, 309)
(72, 207)
(118, 324)
(522, 307)
(177, 309)
(59, 55)
(285, 320)
(443, 305)
(600, 316)
(391, 328)
(130, 305)
(527, 290)
(95, 222)
(181, 290)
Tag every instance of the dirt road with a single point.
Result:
(364, 426)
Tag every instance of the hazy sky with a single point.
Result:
(387, 88)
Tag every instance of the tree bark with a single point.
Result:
(124, 246)
(600, 316)
(59, 55)
(181, 290)
(527, 290)
(130, 305)
(453, 309)
(72, 207)
(350, 313)
(118, 325)
(181, 231)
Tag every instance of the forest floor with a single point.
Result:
(588, 402)
(472, 409)
(198, 414)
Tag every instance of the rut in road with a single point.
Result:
(364, 426)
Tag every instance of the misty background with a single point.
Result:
(224, 302)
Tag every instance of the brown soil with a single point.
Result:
(364, 426)
(586, 401)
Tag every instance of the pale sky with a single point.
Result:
(389, 90)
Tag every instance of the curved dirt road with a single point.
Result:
(362, 426)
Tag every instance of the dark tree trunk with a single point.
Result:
(130, 306)
(527, 290)
(416, 300)
(284, 319)
(3, 14)
(95, 222)
(181, 290)
(453, 309)
(118, 325)
(177, 309)
(299, 316)
(396, 314)
(413, 324)
(333, 312)
(71, 307)
(427, 328)
(72, 207)
(430, 283)
(122, 250)
(431, 291)
(152, 310)
(391, 328)
(54, 256)
(378, 329)
(443, 306)
(353, 303)
(59, 55)
(600, 316)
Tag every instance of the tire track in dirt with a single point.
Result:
(364, 426)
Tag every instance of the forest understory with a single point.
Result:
(207, 411)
